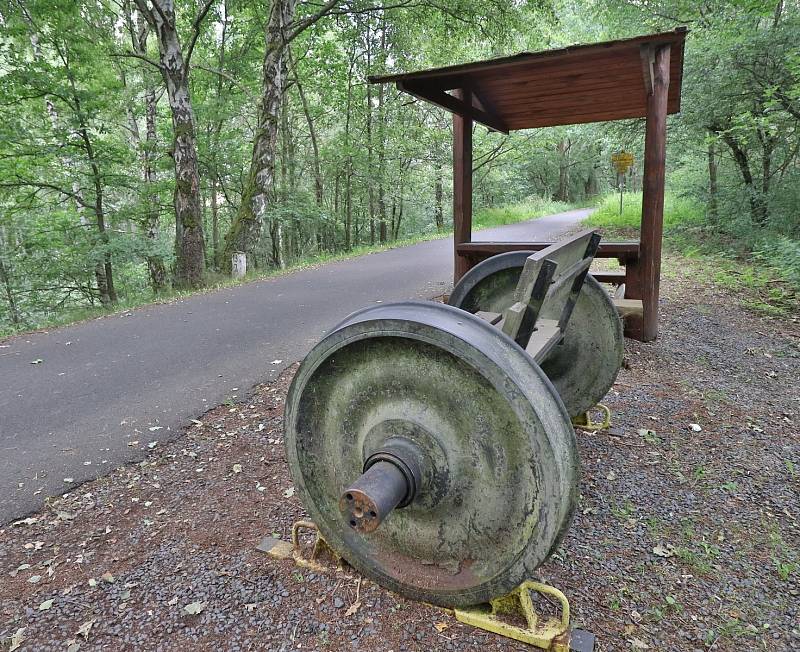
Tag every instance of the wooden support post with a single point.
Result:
(462, 185)
(643, 280)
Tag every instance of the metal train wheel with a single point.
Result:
(481, 448)
(585, 365)
(491, 284)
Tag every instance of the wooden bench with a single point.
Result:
(626, 252)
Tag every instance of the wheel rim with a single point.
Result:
(585, 365)
(505, 465)
(491, 284)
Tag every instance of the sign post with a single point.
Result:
(622, 161)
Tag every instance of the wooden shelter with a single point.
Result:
(632, 78)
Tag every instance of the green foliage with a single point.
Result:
(360, 167)
(678, 211)
(512, 213)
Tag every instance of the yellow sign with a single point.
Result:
(622, 161)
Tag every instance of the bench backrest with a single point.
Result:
(552, 278)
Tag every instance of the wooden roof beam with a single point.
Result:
(647, 52)
(453, 104)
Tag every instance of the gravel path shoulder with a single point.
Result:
(687, 536)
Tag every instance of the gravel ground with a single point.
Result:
(686, 538)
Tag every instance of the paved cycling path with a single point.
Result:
(141, 375)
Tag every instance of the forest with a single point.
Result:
(144, 142)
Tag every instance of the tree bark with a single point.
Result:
(174, 67)
(139, 30)
(382, 144)
(348, 187)
(562, 194)
(713, 209)
(258, 191)
(370, 145)
(318, 187)
(155, 263)
(438, 211)
(5, 279)
(757, 207)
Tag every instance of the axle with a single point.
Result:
(391, 479)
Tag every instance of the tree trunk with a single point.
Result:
(370, 186)
(382, 144)
(5, 279)
(215, 220)
(155, 263)
(215, 181)
(318, 187)
(258, 191)
(105, 285)
(590, 188)
(562, 194)
(767, 148)
(713, 209)
(757, 206)
(348, 186)
(139, 31)
(438, 210)
(189, 238)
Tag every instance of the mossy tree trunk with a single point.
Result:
(258, 191)
(174, 67)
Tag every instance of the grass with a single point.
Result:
(677, 211)
(483, 218)
(762, 266)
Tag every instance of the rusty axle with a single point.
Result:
(391, 479)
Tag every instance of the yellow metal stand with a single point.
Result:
(552, 634)
(585, 420)
(320, 546)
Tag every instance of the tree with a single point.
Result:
(174, 59)
(258, 190)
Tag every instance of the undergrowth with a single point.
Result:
(489, 217)
(760, 261)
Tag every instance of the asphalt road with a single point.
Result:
(140, 376)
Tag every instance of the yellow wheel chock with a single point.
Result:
(585, 422)
(320, 545)
(552, 634)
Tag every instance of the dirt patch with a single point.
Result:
(686, 537)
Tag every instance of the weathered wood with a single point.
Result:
(622, 251)
(615, 277)
(491, 317)
(462, 184)
(628, 308)
(646, 328)
(453, 104)
(554, 275)
(547, 335)
(575, 85)
(648, 55)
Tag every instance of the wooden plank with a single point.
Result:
(491, 317)
(588, 53)
(543, 339)
(563, 92)
(655, 141)
(453, 104)
(627, 250)
(550, 275)
(628, 307)
(462, 186)
(615, 277)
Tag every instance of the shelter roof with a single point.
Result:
(573, 85)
